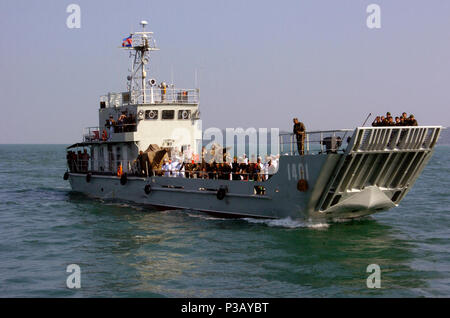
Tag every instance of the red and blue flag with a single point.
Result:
(127, 42)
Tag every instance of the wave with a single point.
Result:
(290, 223)
(205, 216)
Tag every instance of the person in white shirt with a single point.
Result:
(275, 161)
(176, 169)
(187, 154)
(265, 169)
(271, 169)
(173, 167)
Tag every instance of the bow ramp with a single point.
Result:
(378, 168)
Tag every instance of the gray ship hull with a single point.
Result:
(373, 174)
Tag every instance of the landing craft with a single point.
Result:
(345, 173)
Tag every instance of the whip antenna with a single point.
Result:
(370, 114)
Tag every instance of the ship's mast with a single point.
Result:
(140, 46)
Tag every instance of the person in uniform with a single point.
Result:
(377, 122)
(235, 168)
(299, 132)
(412, 121)
(404, 119)
(143, 163)
(226, 170)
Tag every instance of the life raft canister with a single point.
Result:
(147, 189)
(221, 193)
(119, 171)
(88, 177)
(302, 185)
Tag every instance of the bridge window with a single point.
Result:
(151, 114)
(184, 114)
(168, 114)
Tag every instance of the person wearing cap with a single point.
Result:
(300, 133)
(377, 122)
(404, 117)
(412, 121)
(390, 121)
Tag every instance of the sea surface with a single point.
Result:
(131, 251)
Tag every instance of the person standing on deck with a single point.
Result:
(163, 87)
(110, 124)
(412, 121)
(300, 133)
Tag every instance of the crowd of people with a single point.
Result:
(78, 161)
(239, 169)
(388, 120)
(126, 122)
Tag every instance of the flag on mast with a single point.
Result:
(127, 41)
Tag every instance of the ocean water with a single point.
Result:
(131, 251)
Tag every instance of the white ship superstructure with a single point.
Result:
(336, 177)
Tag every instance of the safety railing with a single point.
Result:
(100, 134)
(373, 139)
(187, 170)
(153, 95)
(83, 163)
(315, 142)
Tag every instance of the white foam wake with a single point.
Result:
(290, 223)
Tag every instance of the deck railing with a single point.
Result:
(154, 95)
(131, 167)
(316, 142)
(101, 134)
(383, 139)
(366, 139)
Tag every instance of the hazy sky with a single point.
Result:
(259, 63)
